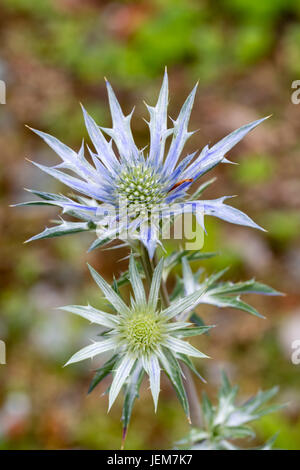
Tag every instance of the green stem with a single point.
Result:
(147, 265)
(189, 385)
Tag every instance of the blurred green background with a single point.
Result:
(54, 54)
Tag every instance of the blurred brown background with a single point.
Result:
(53, 55)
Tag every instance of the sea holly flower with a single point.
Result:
(141, 338)
(228, 421)
(147, 181)
(220, 294)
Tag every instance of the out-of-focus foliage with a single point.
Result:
(54, 54)
(228, 422)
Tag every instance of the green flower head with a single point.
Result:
(142, 337)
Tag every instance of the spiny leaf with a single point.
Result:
(48, 196)
(99, 242)
(214, 277)
(184, 358)
(208, 410)
(237, 432)
(202, 188)
(65, 228)
(225, 385)
(192, 331)
(222, 301)
(131, 393)
(173, 371)
(175, 258)
(103, 372)
(246, 287)
(196, 319)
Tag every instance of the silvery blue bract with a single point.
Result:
(151, 178)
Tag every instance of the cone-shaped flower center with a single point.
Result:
(142, 332)
(140, 186)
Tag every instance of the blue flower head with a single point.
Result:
(150, 181)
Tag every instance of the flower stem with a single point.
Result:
(147, 265)
(189, 385)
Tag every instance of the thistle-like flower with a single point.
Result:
(141, 338)
(146, 181)
(228, 421)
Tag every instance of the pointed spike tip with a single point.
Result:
(124, 435)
